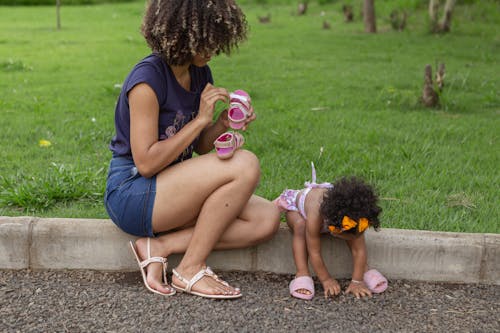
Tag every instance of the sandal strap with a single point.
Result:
(161, 260)
(240, 99)
(216, 277)
(242, 106)
(226, 143)
(189, 284)
(151, 260)
(236, 140)
(240, 140)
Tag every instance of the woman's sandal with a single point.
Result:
(197, 277)
(143, 264)
(302, 282)
(239, 109)
(375, 281)
(227, 143)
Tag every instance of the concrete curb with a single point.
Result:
(60, 243)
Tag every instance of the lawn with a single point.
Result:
(344, 99)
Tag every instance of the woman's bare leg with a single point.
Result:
(219, 202)
(258, 222)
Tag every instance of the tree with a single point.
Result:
(429, 98)
(302, 9)
(444, 25)
(369, 16)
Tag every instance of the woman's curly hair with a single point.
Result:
(350, 197)
(179, 29)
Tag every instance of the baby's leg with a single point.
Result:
(298, 226)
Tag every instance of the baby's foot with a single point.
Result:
(302, 287)
(304, 291)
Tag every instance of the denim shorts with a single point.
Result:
(129, 198)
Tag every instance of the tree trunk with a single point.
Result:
(448, 9)
(444, 25)
(369, 16)
(58, 14)
(433, 11)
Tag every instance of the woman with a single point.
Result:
(165, 112)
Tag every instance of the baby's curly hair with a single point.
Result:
(180, 29)
(350, 197)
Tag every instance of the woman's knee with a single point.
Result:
(246, 165)
(269, 223)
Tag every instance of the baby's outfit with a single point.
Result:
(294, 200)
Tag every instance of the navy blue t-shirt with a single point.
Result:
(177, 106)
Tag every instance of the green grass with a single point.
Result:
(351, 95)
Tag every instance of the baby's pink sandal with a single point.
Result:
(302, 282)
(227, 143)
(239, 109)
(375, 281)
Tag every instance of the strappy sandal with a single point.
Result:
(197, 277)
(239, 109)
(227, 143)
(217, 278)
(143, 264)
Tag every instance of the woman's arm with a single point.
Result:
(151, 155)
(211, 132)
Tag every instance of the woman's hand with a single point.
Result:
(250, 118)
(331, 287)
(209, 96)
(358, 289)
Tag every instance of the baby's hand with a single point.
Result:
(331, 287)
(358, 289)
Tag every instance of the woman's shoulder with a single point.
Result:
(149, 70)
(151, 62)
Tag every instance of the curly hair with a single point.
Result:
(177, 30)
(350, 197)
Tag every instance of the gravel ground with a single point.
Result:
(89, 301)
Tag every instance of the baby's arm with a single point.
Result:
(358, 251)
(330, 285)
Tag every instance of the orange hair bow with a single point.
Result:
(348, 224)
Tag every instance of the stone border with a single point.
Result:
(97, 244)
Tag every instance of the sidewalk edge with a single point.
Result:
(97, 244)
